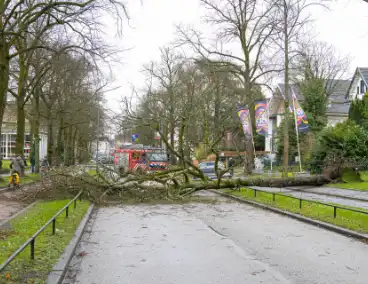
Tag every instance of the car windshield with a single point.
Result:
(157, 157)
(210, 165)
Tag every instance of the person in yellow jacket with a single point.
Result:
(14, 179)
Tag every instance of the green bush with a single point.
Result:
(339, 147)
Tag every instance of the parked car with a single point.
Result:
(208, 168)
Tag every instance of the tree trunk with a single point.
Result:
(37, 130)
(172, 142)
(249, 164)
(59, 143)
(286, 93)
(21, 125)
(73, 144)
(21, 118)
(4, 81)
(50, 139)
(217, 106)
(68, 151)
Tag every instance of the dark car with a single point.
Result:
(208, 168)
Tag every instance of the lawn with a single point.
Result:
(48, 247)
(347, 219)
(350, 181)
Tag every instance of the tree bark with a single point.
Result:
(21, 121)
(59, 142)
(50, 139)
(172, 142)
(73, 146)
(286, 93)
(68, 151)
(21, 118)
(4, 80)
(36, 133)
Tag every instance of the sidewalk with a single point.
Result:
(332, 191)
(323, 194)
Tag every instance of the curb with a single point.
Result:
(59, 270)
(320, 224)
(330, 194)
(17, 214)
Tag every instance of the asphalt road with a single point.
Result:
(226, 242)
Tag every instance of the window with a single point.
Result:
(136, 155)
(157, 157)
(362, 87)
(358, 90)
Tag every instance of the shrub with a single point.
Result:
(345, 145)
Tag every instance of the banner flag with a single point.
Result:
(243, 114)
(261, 118)
(300, 116)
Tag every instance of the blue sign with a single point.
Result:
(135, 137)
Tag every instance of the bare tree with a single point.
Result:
(291, 18)
(166, 74)
(247, 24)
(320, 61)
(22, 26)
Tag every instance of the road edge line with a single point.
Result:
(57, 274)
(317, 223)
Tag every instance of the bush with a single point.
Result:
(339, 147)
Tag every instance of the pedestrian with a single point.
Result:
(33, 163)
(231, 164)
(17, 165)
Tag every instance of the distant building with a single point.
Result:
(337, 108)
(358, 85)
(8, 135)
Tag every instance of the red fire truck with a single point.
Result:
(139, 157)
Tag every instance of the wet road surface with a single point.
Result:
(226, 242)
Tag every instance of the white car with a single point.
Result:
(208, 168)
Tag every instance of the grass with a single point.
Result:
(347, 219)
(92, 172)
(48, 247)
(29, 178)
(351, 181)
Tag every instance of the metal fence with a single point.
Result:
(335, 207)
(32, 240)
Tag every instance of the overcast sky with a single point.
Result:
(152, 25)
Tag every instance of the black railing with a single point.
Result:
(31, 240)
(335, 207)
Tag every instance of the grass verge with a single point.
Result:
(345, 218)
(351, 181)
(48, 247)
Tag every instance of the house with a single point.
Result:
(337, 108)
(358, 85)
(8, 135)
